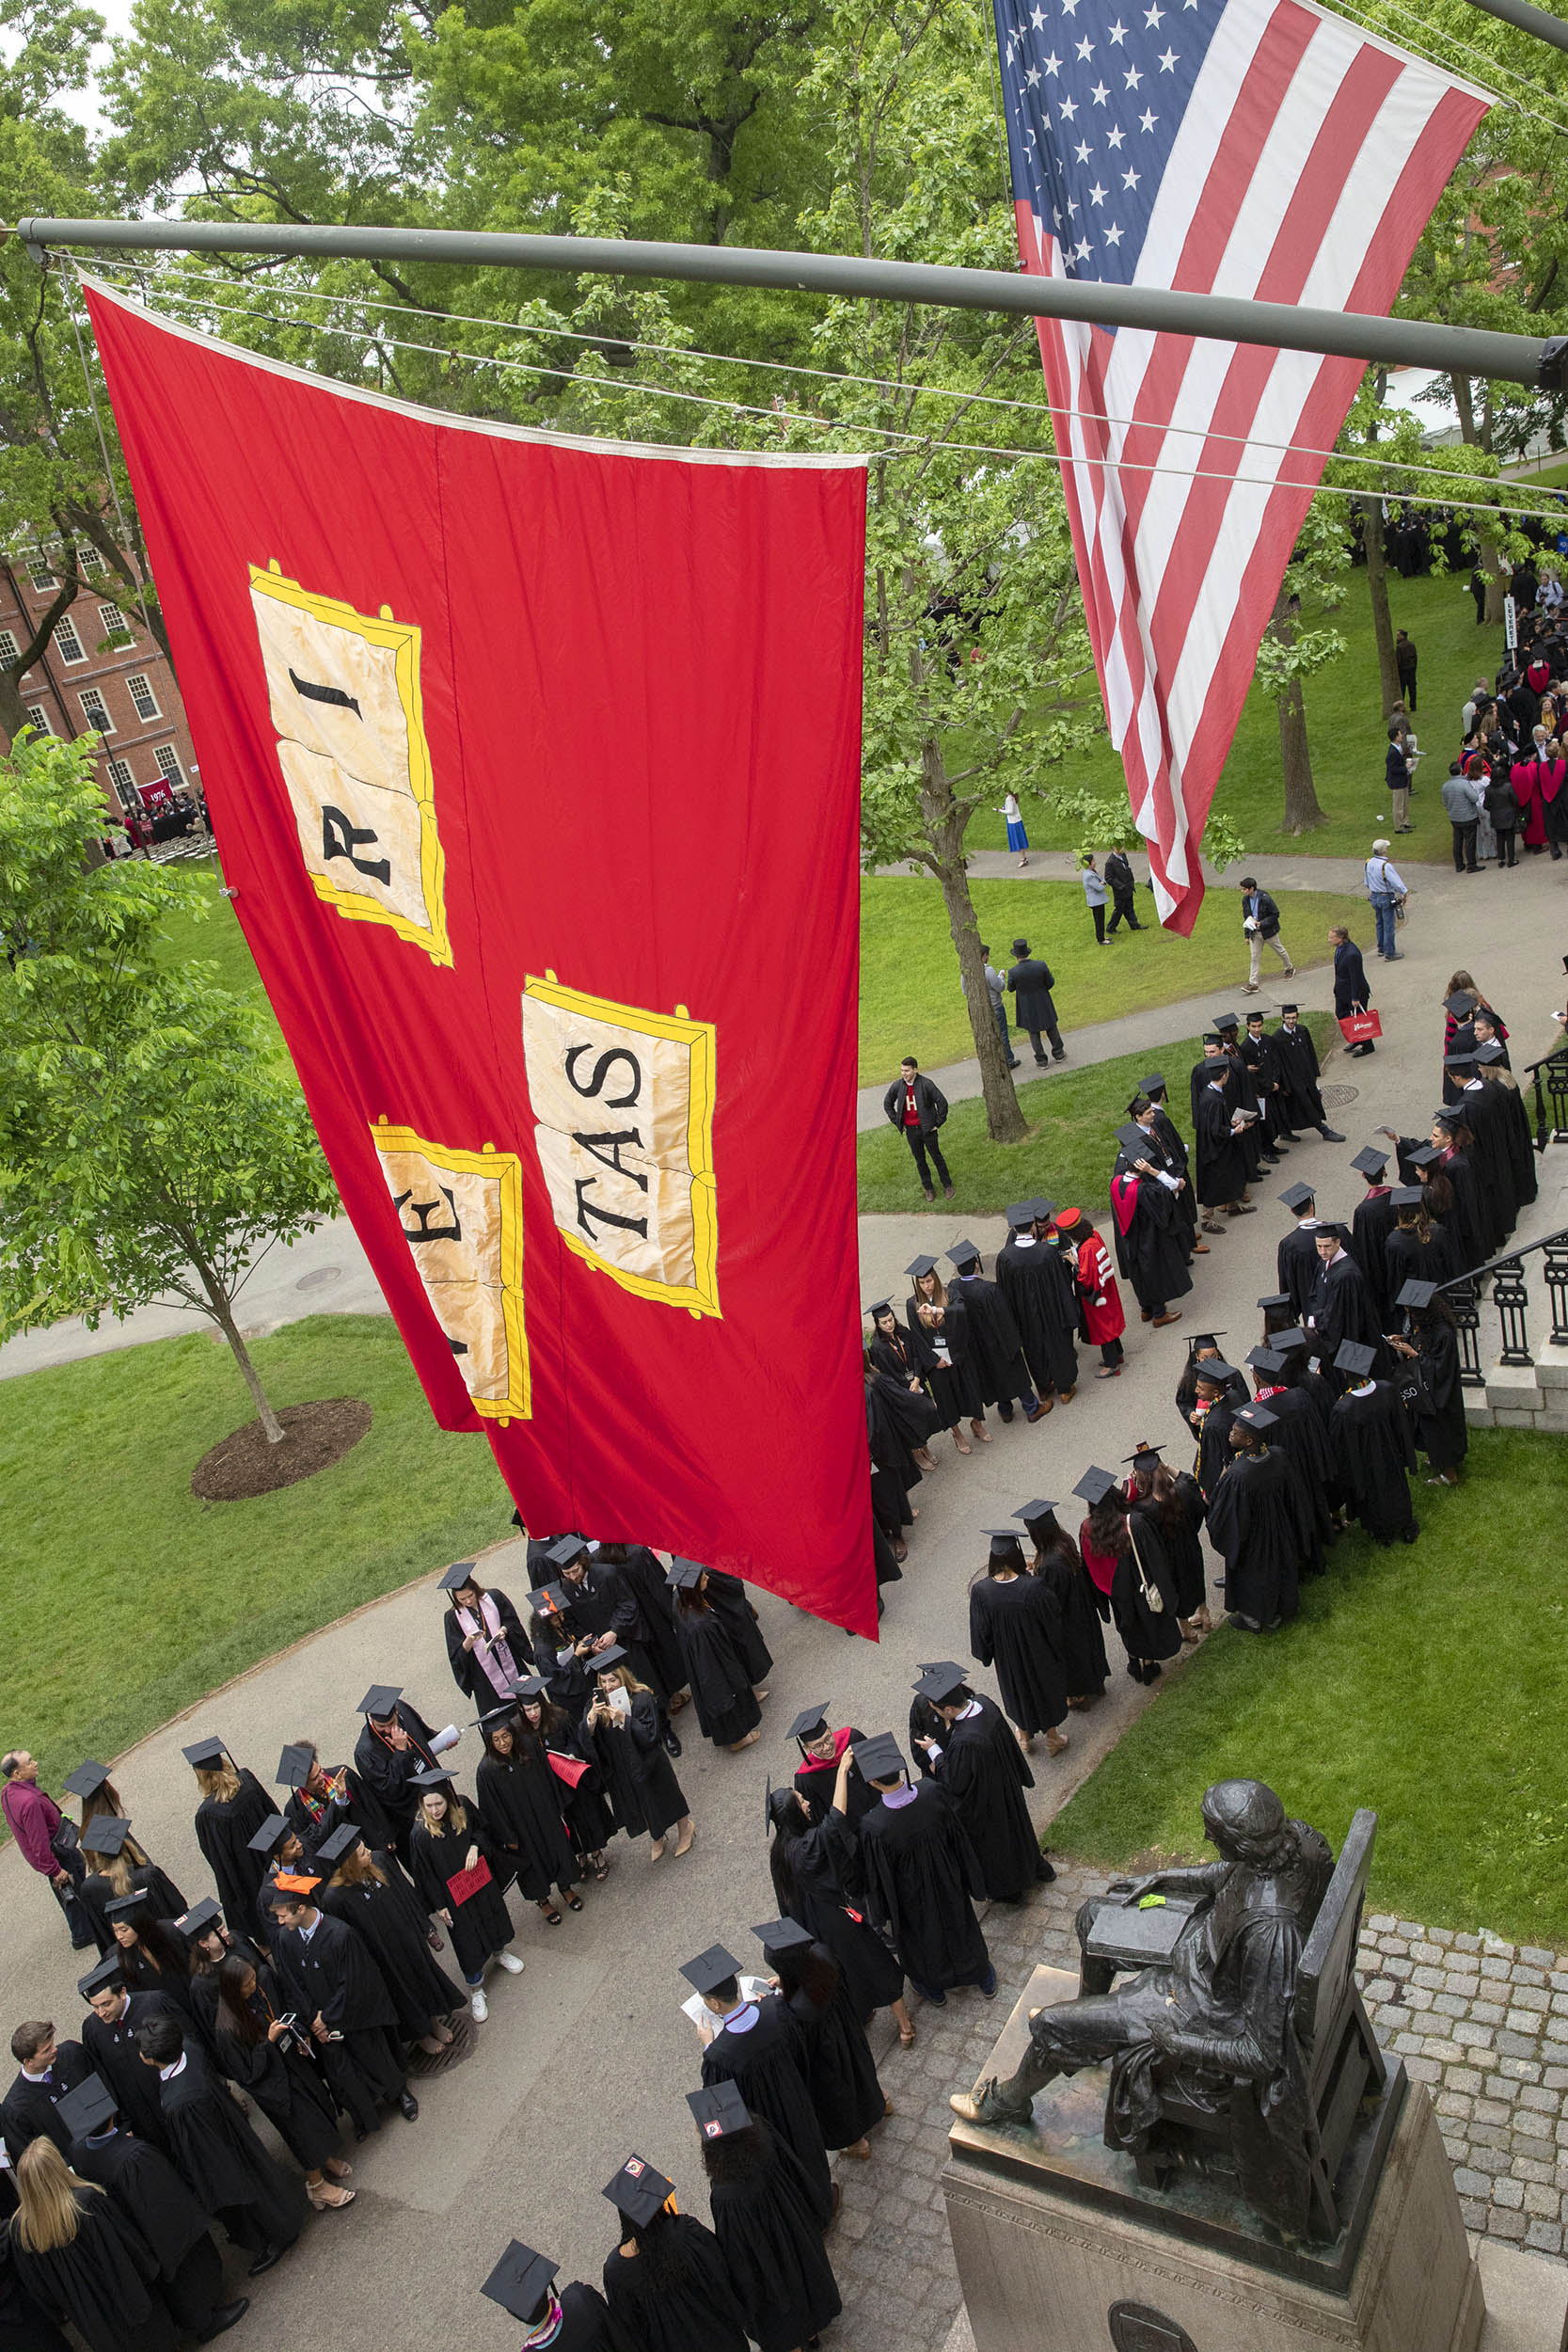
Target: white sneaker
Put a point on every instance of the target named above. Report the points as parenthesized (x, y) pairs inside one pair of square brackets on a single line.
[(478, 2008), (510, 1962)]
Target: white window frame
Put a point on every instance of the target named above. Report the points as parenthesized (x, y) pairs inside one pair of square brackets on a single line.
[(40, 572), (175, 774), (124, 782), (89, 695), (118, 627), (9, 647), (38, 717), (63, 644), (141, 686)]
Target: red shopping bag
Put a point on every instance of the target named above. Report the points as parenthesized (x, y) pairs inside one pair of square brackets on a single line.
[(469, 1882), (1357, 1028)]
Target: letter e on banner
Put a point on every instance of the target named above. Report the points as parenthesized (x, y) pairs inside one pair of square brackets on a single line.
[(625, 1101), (461, 1216), (344, 693)]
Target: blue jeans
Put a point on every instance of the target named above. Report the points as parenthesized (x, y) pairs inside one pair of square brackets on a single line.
[(1001, 1013), (1383, 907)]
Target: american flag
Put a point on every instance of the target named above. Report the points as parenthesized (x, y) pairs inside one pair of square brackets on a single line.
[(1256, 147)]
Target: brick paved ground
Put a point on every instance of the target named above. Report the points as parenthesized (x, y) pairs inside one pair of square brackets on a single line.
[(1483, 2024)]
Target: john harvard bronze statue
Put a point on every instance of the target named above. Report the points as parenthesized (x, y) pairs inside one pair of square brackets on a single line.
[(1240, 2044)]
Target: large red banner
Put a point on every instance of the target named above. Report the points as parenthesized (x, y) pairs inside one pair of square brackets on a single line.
[(534, 766)]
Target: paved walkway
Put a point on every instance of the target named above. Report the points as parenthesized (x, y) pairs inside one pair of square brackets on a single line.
[(1276, 871)]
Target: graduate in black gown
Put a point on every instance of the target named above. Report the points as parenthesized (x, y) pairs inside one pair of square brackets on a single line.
[(821, 1752), (338, 1994), (520, 1805), (1262, 1056), (939, 1335), (755, 2045), (1430, 1345), (1036, 1281), (1301, 1433), (109, 2039), (1173, 1500), (153, 1953), (371, 1895), (395, 1745), (1015, 1625), (992, 1342), (624, 1728), (1214, 1405), (1258, 1523), (1518, 1136), (81, 2258), (486, 1645), (149, 2193), (1296, 1264), (1484, 1111), (588, 1799), (894, 1354), (574, 2318), (116, 1865), (321, 1797), (209, 1942), (813, 1863), (47, 2068), (1419, 1248), (25, 2326), (834, 2054), (1373, 1221), (768, 2223), (449, 1844), (269, 2057), (232, 1808), (923, 1877), (980, 1765), (1141, 1590), (1343, 1306), (727, 1596), (1218, 1155), (1303, 1102), (666, 2283), (727, 1709), (1375, 1451), (223, 2164), (641, 1572), (1058, 1563), (1153, 1241)]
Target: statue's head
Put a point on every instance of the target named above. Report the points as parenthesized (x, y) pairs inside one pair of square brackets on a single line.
[(1245, 1819)]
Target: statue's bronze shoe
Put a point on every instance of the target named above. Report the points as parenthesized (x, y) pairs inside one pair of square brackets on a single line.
[(986, 2103)]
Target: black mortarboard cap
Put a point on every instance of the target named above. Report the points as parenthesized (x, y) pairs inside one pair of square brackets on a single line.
[(1355, 1358), (127, 1906), (784, 1935), (380, 1699), (1095, 1485), (1459, 1004), (296, 1765), (918, 1266), (1489, 1051), (1133, 1141), (810, 1722), (639, 2191), (461, 1572), (532, 1686), (939, 1666), (1417, 1294), (1265, 1359), (1038, 1509), (1458, 1061), (1145, 1459), (1407, 1196), (1446, 1116), (1043, 1209), (1215, 1371), (684, 1575), (105, 1835), (1135, 1103), (86, 1780), (878, 1306), (1021, 1214), (1211, 1037), (206, 1913), (271, 1831), (1257, 1416), (103, 1974), (342, 1841), (1153, 1083), (1225, 1021), (1289, 1008), (1298, 1195), (943, 1686), (720, 2110), (205, 1752), (880, 1758), (608, 1658), (87, 2109), (1282, 1342), (554, 1597), (432, 1776), (520, 2281), (714, 1966), (961, 1253), (1369, 1161), (566, 1549), (1203, 1339)]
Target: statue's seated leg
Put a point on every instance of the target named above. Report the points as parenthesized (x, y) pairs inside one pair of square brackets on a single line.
[(1061, 2040)]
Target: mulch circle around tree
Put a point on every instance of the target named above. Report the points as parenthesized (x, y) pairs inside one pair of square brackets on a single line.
[(246, 1464)]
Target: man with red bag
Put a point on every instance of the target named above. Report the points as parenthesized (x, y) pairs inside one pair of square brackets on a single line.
[(1351, 996), (1098, 1300)]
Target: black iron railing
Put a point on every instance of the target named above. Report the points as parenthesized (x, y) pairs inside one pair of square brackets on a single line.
[(1511, 1297), (1551, 1097)]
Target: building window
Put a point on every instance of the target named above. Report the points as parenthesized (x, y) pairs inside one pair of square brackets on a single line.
[(169, 763), (38, 717), (96, 711), (121, 777), (9, 648), (40, 575), (116, 627), (67, 643), (143, 698)]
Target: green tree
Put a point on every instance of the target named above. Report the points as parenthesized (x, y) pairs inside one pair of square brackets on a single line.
[(151, 1145)]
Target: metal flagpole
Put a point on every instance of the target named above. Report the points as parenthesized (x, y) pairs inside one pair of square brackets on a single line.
[(1355, 334), (1537, 21)]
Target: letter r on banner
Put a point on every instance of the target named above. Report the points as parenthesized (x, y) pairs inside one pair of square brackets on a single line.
[(625, 1104)]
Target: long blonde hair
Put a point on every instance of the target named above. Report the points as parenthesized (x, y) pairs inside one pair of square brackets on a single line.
[(46, 2217), (357, 1869), (456, 1818), (939, 1292), (218, 1780)]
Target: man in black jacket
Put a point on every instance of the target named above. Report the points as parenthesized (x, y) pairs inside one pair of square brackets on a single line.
[(1260, 922), (1031, 983), (917, 1106), (1121, 883)]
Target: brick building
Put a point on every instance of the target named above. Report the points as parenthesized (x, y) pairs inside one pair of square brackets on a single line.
[(101, 673)]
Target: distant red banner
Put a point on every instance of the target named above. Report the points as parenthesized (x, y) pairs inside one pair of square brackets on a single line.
[(535, 765)]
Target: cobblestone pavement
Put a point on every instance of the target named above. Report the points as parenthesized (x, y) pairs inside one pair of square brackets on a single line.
[(1483, 2024)]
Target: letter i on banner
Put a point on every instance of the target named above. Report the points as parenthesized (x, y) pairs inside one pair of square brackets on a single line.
[(623, 1099)]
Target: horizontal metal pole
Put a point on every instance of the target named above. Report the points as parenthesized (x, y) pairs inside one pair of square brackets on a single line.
[(1355, 334), (1537, 21)]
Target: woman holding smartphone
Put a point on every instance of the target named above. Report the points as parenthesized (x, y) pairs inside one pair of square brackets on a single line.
[(627, 1734)]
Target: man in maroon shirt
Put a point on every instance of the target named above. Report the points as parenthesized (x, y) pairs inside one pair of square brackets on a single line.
[(34, 1819)]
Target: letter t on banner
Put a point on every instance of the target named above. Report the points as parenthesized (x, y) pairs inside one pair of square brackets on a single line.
[(535, 766)]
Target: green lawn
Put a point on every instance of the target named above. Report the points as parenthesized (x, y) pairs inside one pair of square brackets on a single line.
[(127, 1598), (910, 1001), (1346, 728), (1069, 1154), (1425, 1682)]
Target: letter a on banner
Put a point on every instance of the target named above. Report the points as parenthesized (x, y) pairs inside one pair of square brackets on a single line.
[(534, 764)]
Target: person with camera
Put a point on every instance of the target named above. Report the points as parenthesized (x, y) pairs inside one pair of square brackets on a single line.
[(1385, 893), (262, 2047), (47, 1840)]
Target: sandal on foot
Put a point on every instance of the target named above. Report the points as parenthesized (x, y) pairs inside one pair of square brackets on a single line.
[(551, 1916), (574, 1903)]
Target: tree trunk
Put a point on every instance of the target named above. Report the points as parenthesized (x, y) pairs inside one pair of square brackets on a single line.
[(1377, 588), (223, 1315), (1302, 811), (945, 831), (1489, 557)]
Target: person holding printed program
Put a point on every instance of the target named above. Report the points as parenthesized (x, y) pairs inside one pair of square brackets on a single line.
[(1260, 922), (1385, 892)]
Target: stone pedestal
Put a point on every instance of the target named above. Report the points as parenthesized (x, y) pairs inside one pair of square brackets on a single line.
[(1060, 2249)]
